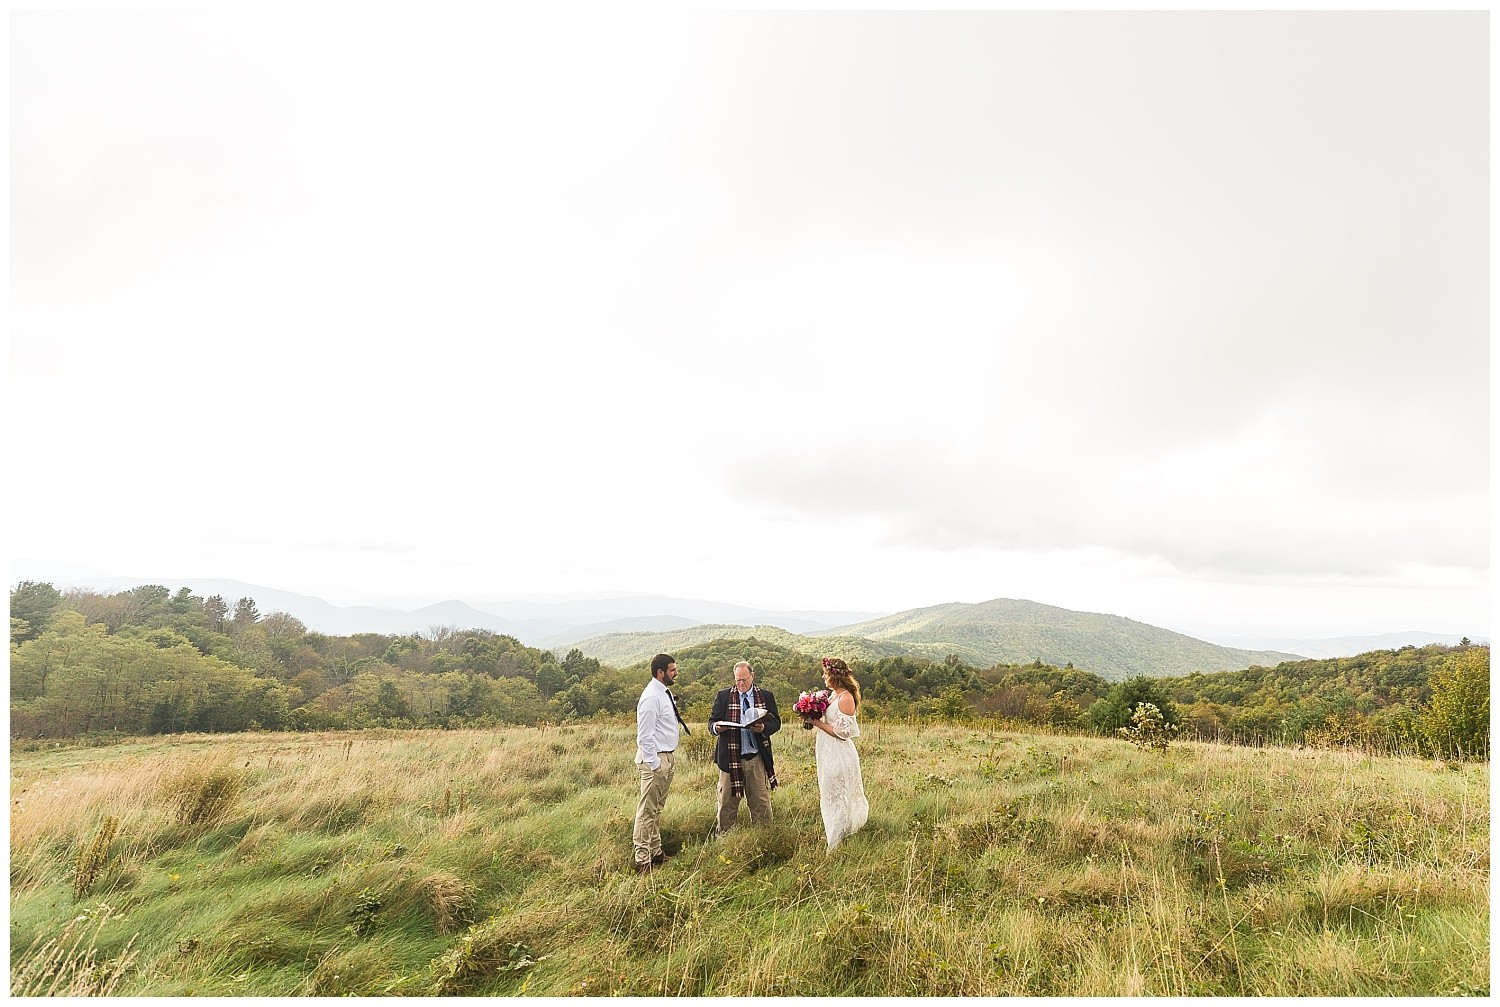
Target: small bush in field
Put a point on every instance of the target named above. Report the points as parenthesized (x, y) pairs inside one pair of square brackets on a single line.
[(488, 950), (1149, 730), (451, 902), (202, 796), (91, 858), (366, 908)]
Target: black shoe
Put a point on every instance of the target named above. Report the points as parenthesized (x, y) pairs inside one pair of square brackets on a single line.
[(657, 860), (644, 868)]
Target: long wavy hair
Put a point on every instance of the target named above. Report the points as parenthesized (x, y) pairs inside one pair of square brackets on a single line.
[(841, 677)]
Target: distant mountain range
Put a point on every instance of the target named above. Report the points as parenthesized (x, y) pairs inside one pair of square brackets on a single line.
[(1005, 630), (1344, 646), (1014, 631), (621, 649), (625, 630), (547, 624)]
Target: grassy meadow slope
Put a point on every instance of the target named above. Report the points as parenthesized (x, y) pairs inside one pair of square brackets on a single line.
[(1015, 631), (993, 863)]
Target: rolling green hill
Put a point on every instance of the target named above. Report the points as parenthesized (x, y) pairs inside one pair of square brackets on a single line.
[(1015, 631), (622, 649), (1003, 631)]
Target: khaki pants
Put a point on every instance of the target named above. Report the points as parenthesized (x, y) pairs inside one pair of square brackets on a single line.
[(757, 795), (654, 784)]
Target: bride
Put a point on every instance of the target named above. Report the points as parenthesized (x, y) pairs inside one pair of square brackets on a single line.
[(840, 789)]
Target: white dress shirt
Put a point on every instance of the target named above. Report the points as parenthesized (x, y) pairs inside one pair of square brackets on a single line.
[(655, 724)]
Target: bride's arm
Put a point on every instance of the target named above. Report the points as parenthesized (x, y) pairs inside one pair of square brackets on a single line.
[(840, 733)]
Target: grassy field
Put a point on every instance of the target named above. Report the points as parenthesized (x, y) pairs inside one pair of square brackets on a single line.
[(498, 862)]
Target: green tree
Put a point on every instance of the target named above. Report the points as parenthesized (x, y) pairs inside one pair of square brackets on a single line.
[(575, 666), (518, 701), (182, 602), (146, 605), (77, 678), (1457, 720), (217, 611), (1062, 709), (481, 654), (550, 679), (281, 626), (404, 651), (245, 613), (33, 603), (951, 705), (1115, 710), (389, 704)]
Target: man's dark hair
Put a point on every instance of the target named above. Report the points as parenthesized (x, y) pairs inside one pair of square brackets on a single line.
[(661, 662)]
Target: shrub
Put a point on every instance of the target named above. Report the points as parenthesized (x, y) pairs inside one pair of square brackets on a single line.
[(203, 795), (91, 858), (1149, 730), (366, 910), (451, 901), (487, 951)]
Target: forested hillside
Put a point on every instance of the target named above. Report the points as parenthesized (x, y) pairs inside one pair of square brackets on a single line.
[(147, 661), (1016, 631), (1002, 631), (622, 649)]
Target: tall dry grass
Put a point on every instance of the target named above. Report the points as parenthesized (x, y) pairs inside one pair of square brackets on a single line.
[(994, 863), (67, 963)]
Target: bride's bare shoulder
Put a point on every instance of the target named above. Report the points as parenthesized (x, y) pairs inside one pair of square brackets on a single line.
[(846, 703)]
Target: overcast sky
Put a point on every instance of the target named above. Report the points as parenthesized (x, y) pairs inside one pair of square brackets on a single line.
[(1181, 317)]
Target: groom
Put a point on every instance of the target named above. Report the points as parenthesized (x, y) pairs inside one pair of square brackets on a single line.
[(743, 754), (656, 720)]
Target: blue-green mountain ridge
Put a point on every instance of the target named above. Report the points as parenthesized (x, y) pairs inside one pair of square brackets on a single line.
[(1001, 631)]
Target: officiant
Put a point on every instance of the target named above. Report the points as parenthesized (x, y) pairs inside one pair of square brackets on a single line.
[(744, 718)]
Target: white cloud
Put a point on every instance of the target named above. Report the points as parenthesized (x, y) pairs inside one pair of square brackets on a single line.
[(438, 305)]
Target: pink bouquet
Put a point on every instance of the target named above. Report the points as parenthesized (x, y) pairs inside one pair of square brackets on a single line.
[(810, 706)]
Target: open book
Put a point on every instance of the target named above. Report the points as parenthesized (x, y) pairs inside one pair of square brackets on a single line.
[(750, 718)]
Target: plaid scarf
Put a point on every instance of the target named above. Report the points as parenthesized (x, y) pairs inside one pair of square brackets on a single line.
[(736, 769)]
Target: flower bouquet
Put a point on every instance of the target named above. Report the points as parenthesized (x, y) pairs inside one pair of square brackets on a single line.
[(810, 706)]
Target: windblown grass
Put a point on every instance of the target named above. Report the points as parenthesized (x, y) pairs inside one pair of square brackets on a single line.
[(499, 862)]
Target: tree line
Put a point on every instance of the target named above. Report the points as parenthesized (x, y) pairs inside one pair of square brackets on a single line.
[(149, 661)]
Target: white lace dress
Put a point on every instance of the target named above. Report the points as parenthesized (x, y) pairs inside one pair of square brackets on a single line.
[(841, 791)]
